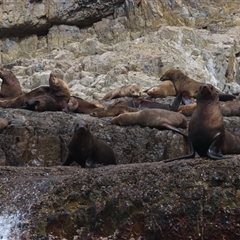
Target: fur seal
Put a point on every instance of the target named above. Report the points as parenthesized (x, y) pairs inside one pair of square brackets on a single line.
[(164, 89), (10, 85), (79, 105), (228, 108), (86, 149), (113, 110), (206, 128), (54, 97), (187, 86), (156, 118), (124, 91), (3, 124)]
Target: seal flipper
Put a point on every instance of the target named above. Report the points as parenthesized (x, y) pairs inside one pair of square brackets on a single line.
[(213, 151), (226, 97), (69, 160), (31, 104), (176, 103), (189, 142)]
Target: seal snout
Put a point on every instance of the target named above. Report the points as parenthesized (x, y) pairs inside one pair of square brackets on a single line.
[(80, 125)]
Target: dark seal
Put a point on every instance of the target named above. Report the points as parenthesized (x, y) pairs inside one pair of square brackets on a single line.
[(85, 149)]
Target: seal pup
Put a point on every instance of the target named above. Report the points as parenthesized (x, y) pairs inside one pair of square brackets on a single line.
[(164, 89), (206, 128), (111, 111), (187, 86), (10, 85), (133, 90), (86, 149)]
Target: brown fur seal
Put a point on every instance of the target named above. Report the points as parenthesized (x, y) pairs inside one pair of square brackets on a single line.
[(228, 108), (78, 105), (187, 86), (158, 118), (113, 110), (10, 85), (54, 97), (86, 149), (124, 91), (206, 128), (163, 89), (60, 90)]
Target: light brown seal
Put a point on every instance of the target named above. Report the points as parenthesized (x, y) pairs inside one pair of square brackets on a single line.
[(162, 90), (86, 149), (157, 118), (10, 85), (124, 91), (206, 128), (79, 105), (113, 110), (228, 108), (187, 86)]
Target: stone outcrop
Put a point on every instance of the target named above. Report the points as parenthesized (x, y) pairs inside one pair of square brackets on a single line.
[(193, 199)]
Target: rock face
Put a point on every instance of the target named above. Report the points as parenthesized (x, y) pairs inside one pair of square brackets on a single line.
[(96, 46)]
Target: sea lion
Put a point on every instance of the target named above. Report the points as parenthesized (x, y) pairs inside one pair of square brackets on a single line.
[(86, 149), (113, 110), (18, 102), (187, 86), (79, 105), (60, 90), (228, 108), (156, 118), (10, 85), (206, 128), (124, 91), (163, 89), (54, 97), (42, 103)]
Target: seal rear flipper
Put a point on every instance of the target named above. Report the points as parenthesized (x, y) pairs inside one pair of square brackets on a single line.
[(226, 97), (214, 151), (187, 139), (176, 102)]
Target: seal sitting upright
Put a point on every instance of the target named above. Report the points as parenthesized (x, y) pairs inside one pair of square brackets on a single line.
[(86, 149), (206, 130)]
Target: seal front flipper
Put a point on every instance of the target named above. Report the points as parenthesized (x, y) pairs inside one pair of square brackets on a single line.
[(69, 160), (226, 97), (189, 142), (213, 151), (176, 102)]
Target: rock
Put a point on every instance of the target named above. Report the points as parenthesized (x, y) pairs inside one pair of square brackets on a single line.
[(194, 198), (41, 139)]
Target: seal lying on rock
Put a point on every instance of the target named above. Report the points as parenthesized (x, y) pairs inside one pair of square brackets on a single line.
[(124, 91), (10, 85), (187, 86), (163, 89), (113, 110), (155, 118), (228, 108), (79, 105), (206, 128), (87, 150), (54, 97)]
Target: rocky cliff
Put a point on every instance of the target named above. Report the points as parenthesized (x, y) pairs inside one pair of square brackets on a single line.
[(96, 46)]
